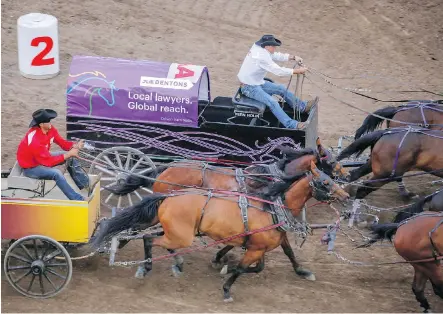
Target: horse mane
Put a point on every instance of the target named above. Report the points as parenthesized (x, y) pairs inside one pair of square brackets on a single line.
[(292, 154), (258, 169), (276, 188)]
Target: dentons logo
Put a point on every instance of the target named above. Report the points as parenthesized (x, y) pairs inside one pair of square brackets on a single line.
[(147, 81)]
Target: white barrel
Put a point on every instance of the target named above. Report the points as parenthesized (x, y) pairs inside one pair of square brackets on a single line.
[(38, 53)]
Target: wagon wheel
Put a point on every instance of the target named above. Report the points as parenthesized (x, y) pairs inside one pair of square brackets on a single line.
[(116, 164), (32, 268)]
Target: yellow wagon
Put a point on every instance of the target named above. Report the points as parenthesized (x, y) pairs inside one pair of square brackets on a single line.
[(37, 222)]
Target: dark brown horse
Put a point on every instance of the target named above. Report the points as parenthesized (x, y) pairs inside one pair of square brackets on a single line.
[(426, 114), (436, 205), (394, 152), (419, 238), (185, 174), (189, 212)]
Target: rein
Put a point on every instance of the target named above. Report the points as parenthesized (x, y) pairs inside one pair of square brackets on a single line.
[(355, 91), (362, 110)]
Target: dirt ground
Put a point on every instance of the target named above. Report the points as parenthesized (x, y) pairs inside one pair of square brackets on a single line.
[(387, 45)]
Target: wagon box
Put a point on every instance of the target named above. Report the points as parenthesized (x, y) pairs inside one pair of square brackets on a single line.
[(63, 220)]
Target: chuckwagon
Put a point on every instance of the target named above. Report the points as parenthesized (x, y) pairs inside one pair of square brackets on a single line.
[(38, 224)]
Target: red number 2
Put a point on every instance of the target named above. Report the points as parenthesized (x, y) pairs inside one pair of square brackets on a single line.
[(38, 59)]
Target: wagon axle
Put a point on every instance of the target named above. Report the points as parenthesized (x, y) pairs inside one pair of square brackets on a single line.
[(38, 267)]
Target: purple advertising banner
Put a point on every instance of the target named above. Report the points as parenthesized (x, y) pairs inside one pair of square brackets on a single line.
[(136, 90)]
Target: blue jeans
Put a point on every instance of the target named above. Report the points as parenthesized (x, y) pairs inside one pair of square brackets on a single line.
[(48, 173), (262, 93)]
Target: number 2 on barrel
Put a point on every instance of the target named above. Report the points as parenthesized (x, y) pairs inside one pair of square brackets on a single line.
[(39, 59)]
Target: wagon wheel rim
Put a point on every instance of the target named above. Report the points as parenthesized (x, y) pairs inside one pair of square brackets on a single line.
[(37, 267), (116, 164)]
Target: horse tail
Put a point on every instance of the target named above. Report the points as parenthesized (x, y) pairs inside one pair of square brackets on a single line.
[(372, 122), (142, 213), (415, 208), (133, 182), (381, 232), (358, 146)]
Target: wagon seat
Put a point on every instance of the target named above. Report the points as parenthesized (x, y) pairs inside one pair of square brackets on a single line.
[(245, 106), (44, 188)]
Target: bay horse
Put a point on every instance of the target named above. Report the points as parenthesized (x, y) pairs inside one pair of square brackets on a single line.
[(436, 205), (189, 212), (419, 240), (185, 174), (426, 114), (395, 151)]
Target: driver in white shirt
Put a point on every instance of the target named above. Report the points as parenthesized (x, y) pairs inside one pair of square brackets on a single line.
[(260, 60)]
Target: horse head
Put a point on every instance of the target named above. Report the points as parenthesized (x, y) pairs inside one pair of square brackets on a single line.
[(299, 187), (339, 172), (323, 159)]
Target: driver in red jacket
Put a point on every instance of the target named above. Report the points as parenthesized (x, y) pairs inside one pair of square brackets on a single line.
[(33, 155)]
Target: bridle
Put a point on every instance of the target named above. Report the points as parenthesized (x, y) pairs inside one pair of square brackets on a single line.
[(320, 190)]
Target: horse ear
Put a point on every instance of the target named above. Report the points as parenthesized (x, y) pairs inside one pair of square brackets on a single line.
[(314, 169)]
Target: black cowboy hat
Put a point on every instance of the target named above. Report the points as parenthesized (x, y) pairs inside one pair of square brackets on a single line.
[(42, 116), (268, 40)]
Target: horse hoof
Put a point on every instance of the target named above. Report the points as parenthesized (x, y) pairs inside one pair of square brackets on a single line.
[(216, 265), (228, 300), (176, 271), (224, 270), (141, 272), (306, 274)]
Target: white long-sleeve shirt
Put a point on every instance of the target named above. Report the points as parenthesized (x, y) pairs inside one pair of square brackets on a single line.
[(258, 62)]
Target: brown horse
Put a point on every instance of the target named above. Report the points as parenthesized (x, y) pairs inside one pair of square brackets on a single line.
[(190, 211), (436, 205), (185, 174), (418, 238), (424, 114), (394, 152)]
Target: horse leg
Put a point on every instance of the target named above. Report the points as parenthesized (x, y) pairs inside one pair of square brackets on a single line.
[(304, 273), (164, 241), (418, 287), (216, 262), (144, 269), (249, 258), (177, 268), (404, 192), (435, 274), (259, 266), (371, 186), (361, 171)]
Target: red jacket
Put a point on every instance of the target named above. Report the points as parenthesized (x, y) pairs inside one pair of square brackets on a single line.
[(34, 148)]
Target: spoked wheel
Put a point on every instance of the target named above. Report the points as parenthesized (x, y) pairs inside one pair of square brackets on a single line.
[(38, 266), (116, 164)]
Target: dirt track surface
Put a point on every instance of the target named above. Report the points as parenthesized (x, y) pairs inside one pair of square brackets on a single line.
[(398, 41)]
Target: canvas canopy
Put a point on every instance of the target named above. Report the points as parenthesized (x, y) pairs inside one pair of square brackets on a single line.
[(136, 90)]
